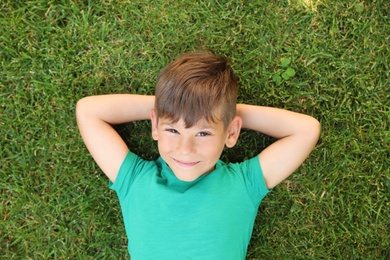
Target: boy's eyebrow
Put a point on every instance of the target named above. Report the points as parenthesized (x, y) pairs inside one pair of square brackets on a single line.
[(205, 126), (167, 124), (199, 125)]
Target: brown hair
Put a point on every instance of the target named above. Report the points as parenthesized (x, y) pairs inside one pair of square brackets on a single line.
[(198, 85)]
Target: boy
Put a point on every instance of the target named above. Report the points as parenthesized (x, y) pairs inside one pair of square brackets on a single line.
[(188, 204)]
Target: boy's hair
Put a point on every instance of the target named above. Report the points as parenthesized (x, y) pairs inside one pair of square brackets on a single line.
[(198, 85)]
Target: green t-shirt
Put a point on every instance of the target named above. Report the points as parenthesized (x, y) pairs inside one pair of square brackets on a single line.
[(211, 217)]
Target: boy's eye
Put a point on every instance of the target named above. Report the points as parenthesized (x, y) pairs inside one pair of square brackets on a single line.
[(203, 134), (173, 131)]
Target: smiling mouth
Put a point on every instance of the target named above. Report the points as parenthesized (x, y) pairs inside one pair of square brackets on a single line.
[(185, 164)]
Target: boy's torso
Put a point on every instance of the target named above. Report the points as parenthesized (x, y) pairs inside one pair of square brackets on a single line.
[(209, 218)]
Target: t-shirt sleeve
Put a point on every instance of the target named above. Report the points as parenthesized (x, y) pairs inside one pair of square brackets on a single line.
[(130, 168), (253, 179)]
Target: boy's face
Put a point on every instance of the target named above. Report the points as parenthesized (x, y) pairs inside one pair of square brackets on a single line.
[(192, 152)]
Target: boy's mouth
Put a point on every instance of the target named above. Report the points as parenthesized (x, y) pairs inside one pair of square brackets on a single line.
[(185, 164)]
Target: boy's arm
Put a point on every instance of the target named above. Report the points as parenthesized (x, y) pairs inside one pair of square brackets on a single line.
[(96, 114), (297, 135)]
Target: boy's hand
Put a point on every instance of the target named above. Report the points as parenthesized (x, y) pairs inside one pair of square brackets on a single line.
[(297, 135), (95, 115)]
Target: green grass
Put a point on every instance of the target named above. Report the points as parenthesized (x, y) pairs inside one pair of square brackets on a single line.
[(55, 203)]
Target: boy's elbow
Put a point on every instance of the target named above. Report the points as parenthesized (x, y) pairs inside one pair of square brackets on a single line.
[(313, 129), (81, 107)]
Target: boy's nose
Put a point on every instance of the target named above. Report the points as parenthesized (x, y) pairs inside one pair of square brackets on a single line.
[(186, 146)]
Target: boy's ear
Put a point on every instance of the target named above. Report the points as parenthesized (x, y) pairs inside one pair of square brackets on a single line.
[(154, 120), (233, 132)]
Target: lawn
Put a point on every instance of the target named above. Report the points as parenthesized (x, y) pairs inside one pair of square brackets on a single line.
[(329, 59)]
